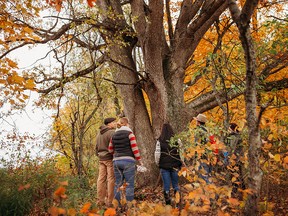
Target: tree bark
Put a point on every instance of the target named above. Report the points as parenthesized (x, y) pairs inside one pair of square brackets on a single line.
[(164, 67), (242, 19)]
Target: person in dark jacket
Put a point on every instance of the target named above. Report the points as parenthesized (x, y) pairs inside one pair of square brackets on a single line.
[(125, 152), (169, 163), (234, 154), (106, 179), (201, 137)]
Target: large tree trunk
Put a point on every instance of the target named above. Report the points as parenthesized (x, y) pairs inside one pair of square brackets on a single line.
[(242, 19), (165, 66), (135, 108)]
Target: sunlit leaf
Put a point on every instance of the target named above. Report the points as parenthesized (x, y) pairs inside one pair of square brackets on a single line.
[(61, 211), (71, 212), (29, 84), (277, 157), (233, 201), (53, 211), (64, 183), (60, 191), (110, 212), (85, 208)]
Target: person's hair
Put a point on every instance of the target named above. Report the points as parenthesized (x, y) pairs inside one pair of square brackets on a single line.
[(233, 126), (166, 133), (122, 122), (201, 123)]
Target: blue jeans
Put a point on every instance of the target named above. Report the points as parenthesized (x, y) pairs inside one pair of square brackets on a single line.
[(205, 172), (124, 170), (168, 177)]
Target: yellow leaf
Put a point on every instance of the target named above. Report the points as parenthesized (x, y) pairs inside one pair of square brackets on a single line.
[(28, 30), (17, 79), (115, 203), (177, 197), (29, 84), (277, 157), (11, 63)]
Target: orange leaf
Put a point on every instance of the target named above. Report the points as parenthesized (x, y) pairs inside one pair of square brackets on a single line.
[(233, 201), (53, 211), (64, 183), (58, 5), (285, 160), (20, 188), (110, 212), (60, 191), (85, 208), (61, 211), (71, 212)]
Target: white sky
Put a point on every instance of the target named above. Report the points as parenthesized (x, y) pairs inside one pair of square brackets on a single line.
[(32, 120)]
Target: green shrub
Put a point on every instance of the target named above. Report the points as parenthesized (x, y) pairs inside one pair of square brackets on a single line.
[(25, 187)]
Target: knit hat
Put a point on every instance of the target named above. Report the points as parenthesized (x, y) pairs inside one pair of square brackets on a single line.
[(201, 118), (108, 120)]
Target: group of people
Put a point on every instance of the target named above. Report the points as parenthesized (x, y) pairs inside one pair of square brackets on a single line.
[(118, 154)]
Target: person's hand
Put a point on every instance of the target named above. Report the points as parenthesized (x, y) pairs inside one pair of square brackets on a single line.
[(141, 168)]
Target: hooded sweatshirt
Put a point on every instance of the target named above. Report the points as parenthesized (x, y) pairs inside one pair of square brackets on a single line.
[(102, 143)]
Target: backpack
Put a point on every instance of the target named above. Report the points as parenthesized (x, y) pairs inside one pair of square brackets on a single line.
[(157, 152)]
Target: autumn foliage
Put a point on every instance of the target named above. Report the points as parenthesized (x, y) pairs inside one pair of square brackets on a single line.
[(81, 36)]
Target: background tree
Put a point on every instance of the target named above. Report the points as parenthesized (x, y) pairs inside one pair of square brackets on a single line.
[(242, 19), (76, 124)]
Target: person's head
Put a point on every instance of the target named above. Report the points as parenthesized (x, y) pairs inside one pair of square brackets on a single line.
[(201, 119), (166, 133), (123, 122), (110, 122)]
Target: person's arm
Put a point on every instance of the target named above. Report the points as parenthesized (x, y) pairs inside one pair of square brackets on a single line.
[(134, 146), (111, 147)]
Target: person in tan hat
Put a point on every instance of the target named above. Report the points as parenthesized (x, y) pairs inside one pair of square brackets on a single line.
[(201, 137), (201, 132), (106, 178)]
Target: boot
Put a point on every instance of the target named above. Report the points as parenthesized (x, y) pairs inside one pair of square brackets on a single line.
[(167, 197)]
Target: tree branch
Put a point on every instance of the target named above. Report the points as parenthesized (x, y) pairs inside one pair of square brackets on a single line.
[(73, 76)]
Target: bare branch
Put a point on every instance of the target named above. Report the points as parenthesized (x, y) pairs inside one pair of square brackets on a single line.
[(73, 76)]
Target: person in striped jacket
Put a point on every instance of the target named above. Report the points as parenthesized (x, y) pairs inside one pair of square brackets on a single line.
[(125, 152)]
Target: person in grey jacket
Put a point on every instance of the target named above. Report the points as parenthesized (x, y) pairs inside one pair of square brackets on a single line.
[(106, 178)]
